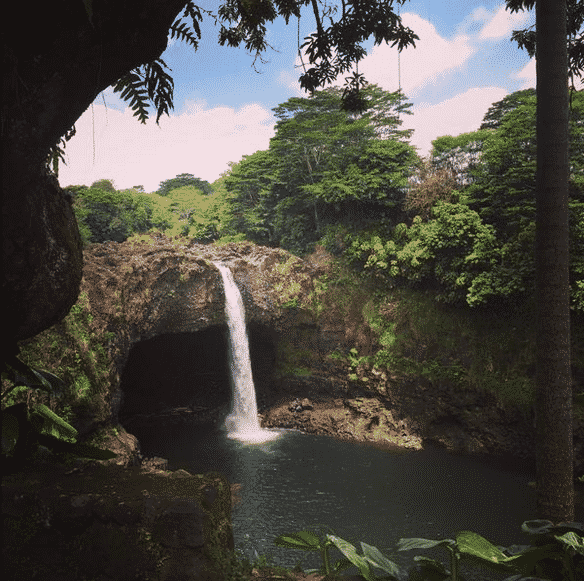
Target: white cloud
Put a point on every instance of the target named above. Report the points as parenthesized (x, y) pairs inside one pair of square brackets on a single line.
[(114, 145), (433, 56), (502, 23), (460, 114), (290, 80), (526, 75)]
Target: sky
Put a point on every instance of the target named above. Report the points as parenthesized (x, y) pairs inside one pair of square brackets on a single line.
[(463, 62)]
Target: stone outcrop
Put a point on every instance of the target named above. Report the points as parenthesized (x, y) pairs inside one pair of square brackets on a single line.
[(47, 84), (163, 305), (115, 523), (42, 258)]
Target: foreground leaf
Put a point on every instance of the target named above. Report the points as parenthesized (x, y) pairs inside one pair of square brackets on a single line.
[(49, 422), (379, 560), (416, 543), (572, 540), (431, 569), (351, 553), (476, 546), (19, 372), (303, 540)]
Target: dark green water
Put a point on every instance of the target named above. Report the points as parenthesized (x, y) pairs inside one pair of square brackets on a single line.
[(363, 493)]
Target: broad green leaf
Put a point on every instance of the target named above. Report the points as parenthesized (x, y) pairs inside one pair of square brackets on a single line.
[(304, 540), (52, 423), (31, 377), (416, 543), (473, 544), (537, 527), (342, 565), (379, 560), (526, 561), (433, 569), (350, 553), (573, 540)]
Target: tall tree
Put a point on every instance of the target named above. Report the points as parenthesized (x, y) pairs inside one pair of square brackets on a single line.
[(555, 453), (182, 180), (559, 55), (337, 167)]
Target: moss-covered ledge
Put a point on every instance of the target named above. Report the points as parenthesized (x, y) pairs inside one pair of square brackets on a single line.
[(111, 522)]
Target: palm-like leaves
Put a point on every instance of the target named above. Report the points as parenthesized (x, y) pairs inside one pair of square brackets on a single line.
[(147, 84), (151, 83)]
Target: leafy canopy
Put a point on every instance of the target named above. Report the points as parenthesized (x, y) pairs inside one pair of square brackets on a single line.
[(325, 166), (335, 47)]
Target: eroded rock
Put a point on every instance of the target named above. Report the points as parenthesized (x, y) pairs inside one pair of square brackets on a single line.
[(117, 523), (42, 257)]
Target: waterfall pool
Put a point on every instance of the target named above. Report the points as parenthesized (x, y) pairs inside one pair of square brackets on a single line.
[(290, 481), (362, 492)]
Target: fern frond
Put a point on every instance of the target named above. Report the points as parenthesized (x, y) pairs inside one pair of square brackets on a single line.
[(180, 30), (57, 152), (194, 12), (147, 84), (160, 87), (132, 90)]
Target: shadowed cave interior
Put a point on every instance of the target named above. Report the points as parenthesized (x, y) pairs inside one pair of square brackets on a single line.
[(180, 370)]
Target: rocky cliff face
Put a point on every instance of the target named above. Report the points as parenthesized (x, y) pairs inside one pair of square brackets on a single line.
[(41, 254), (163, 305)]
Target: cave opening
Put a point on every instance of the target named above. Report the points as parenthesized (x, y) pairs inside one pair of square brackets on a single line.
[(189, 371)]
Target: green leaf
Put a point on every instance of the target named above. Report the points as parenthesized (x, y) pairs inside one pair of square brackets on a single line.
[(572, 540), (31, 377), (303, 540), (432, 568), (350, 553), (537, 527), (417, 543), (342, 565), (474, 545), (379, 560), (47, 421), (527, 560)]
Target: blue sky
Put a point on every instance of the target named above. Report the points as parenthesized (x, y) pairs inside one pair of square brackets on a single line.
[(463, 62)]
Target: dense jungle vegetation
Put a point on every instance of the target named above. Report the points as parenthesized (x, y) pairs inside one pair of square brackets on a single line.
[(430, 254), (459, 223), (428, 261)]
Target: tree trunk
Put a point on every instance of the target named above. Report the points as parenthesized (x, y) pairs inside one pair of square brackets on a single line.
[(57, 59), (555, 456)]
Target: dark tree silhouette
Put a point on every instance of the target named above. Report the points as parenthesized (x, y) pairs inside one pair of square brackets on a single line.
[(555, 455)]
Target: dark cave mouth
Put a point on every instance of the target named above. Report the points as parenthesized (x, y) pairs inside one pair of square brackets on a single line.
[(190, 372)]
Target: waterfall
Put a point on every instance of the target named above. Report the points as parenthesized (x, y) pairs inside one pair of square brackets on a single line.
[(242, 423)]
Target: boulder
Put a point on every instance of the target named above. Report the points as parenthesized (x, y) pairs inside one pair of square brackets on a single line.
[(42, 259), (110, 522)]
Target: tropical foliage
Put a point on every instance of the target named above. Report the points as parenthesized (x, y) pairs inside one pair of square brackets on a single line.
[(556, 553), (325, 167), (470, 233)]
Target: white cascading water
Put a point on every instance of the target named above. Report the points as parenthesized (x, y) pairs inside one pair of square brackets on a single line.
[(242, 423)]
